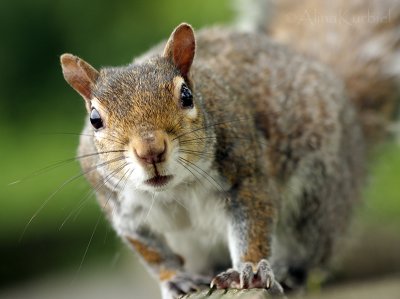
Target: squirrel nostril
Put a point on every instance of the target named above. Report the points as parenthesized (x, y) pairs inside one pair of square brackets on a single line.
[(152, 155)]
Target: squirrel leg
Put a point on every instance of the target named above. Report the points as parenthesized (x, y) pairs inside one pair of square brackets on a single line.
[(165, 264), (250, 233)]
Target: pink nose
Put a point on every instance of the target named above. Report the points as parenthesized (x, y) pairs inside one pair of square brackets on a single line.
[(152, 154), (151, 147)]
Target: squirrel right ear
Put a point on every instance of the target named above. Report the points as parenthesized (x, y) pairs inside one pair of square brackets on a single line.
[(180, 48), (79, 74)]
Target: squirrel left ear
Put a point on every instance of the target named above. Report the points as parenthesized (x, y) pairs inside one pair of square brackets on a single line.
[(79, 74), (180, 48)]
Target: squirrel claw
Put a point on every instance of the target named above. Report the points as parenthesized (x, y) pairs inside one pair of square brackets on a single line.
[(183, 284), (226, 280), (247, 278)]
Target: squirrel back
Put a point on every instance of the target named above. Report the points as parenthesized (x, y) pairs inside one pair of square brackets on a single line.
[(359, 40)]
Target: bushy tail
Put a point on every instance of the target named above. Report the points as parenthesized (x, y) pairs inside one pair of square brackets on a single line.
[(359, 39)]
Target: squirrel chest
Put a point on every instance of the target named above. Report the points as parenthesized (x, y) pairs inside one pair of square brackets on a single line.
[(192, 219)]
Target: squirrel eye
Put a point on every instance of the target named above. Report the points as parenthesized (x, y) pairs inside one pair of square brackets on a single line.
[(186, 97), (95, 119)]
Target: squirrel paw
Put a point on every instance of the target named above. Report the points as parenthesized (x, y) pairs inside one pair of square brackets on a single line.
[(249, 277), (184, 283)]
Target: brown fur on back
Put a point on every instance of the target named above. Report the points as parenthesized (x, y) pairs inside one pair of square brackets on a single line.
[(359, 39)]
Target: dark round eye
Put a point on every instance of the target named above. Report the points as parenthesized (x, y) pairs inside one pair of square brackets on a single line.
[(186, 97), (95, 119)]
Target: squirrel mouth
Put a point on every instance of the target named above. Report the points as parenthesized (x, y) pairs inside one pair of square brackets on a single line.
[(159, 180)]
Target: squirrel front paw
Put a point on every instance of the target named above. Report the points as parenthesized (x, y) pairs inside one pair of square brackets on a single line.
[(182, 284), (249, 277)]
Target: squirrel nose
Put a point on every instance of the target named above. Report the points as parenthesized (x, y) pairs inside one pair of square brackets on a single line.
[(151, 148), (152, 155)]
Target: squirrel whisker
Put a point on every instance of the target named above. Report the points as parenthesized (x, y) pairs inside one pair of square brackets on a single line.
[(202, 154), (205, 174), (42, 206), (61, 163), (100, 216), (209, 126), (190, 141), (187, 167), (91, 192), (114, 139), (176, 125)]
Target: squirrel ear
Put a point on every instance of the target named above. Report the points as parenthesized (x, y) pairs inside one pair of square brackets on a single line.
[(181, 47), (79, 74)]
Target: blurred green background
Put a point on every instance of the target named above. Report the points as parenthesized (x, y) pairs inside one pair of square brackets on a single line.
[(37, 108)]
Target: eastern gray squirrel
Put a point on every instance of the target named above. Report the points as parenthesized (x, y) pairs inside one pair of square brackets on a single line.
[(226, 158)]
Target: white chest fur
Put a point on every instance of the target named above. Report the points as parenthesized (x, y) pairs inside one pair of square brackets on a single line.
[(192, 218)]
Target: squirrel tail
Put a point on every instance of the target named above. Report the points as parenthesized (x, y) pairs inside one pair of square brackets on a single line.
[(358, 39)]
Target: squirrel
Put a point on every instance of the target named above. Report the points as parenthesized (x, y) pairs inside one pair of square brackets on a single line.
[(226, 158)]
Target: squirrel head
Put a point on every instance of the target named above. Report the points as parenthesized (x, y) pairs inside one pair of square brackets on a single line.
[(146, 113)]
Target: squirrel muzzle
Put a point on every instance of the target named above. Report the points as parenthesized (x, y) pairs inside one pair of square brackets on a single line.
[(150, 147)]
